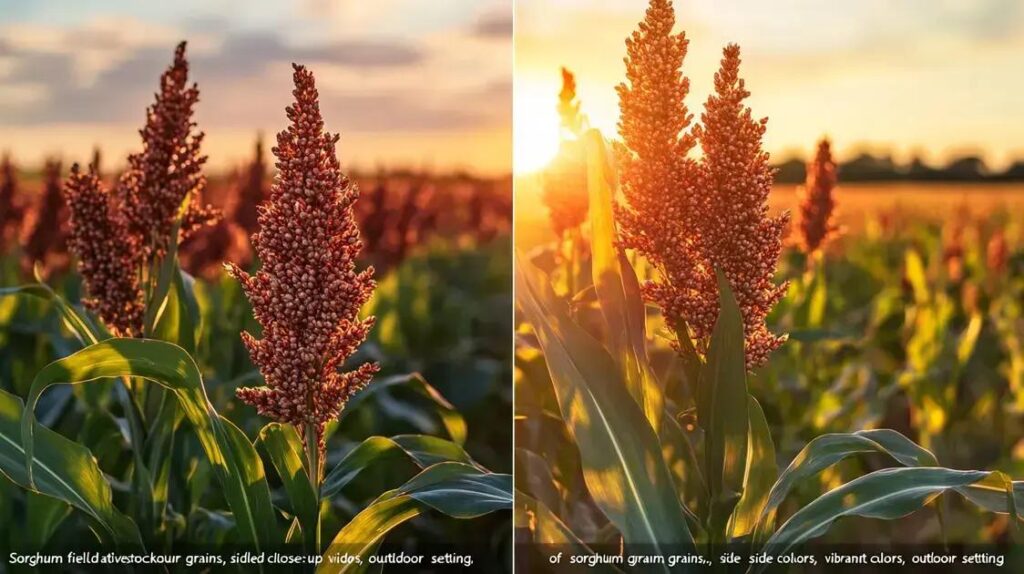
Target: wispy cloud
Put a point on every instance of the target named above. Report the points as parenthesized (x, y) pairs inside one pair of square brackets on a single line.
[(385, 67)]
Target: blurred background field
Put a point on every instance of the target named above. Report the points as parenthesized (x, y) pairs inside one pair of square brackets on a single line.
[(861, 205)]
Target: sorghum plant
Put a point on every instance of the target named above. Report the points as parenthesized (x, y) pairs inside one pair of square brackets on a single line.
[(168, 170), (565, 180), (307, 293), (670, 482), (10, 208), (569, 107), (690, 218), (817, 203), (44, 235), (997, 252), (107, 254)]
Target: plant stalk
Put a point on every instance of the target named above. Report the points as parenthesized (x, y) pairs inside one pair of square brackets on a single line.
[(313, 461)]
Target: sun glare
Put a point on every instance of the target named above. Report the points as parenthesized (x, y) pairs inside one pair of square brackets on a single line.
[(535, 126)]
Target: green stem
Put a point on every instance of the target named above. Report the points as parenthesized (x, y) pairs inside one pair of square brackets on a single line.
[(312, 444)]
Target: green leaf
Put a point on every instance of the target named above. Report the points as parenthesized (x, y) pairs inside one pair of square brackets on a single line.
[(451, 418), (45, 514), (620, 453), (533, 477), (85, 330), (64, 470), (232, 455), (421, 449), (681, 458), (618, 291), (827, 450), (455, 489), (888, 494), (549, 530), (722, 410), (760, 474), (283, 447)]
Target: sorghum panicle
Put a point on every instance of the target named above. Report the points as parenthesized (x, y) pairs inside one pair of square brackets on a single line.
[(568, 106), (656, 173), (738, 237), (997, 252), (44, 237), (107, 254), (816, 200), (689, 217), (169, 168), (307, 294), (10, 209), (564, 184)]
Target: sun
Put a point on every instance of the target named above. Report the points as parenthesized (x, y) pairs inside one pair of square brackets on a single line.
[(535, 126)]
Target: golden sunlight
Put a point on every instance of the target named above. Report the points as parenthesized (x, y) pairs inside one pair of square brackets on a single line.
[(535, 125)]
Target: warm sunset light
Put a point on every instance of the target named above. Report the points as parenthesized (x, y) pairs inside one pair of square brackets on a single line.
[(535, 124)]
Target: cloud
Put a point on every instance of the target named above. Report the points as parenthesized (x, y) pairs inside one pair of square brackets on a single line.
[(497, 24), (131, 75)]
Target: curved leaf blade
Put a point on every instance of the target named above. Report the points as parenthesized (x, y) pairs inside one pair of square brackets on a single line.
[(888, 494), (456, 489), (622, 462), (423, 450), (760, 474), (230, 453), (283, 447), (722, 410), (827, 450), (616, 285), (65, 470)]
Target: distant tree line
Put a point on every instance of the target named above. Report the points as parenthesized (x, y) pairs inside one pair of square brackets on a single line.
[(868, 167)]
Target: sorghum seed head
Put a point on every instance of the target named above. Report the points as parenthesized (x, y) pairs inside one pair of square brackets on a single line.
[(307, 293), (107, 254), (168, 170), (817, 202)]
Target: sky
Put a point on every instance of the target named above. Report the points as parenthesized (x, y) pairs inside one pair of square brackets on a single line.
[(928, 78), (407, 83)]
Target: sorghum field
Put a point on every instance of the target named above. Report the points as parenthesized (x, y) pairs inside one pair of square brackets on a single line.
[(282, 358), (706, 360)]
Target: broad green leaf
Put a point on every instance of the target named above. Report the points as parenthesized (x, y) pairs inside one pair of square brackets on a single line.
[(760, 474), (827, 450), (283, 447), (451, 419), (232, 455), (533, 477), (888, 494), (64, 470), (683, 464), (547, 529), (85, 330), (722, 410), (76, 321), (618, 291), (620, 453), (45, 514), (421, 449), (990, 494), (455, 489)]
